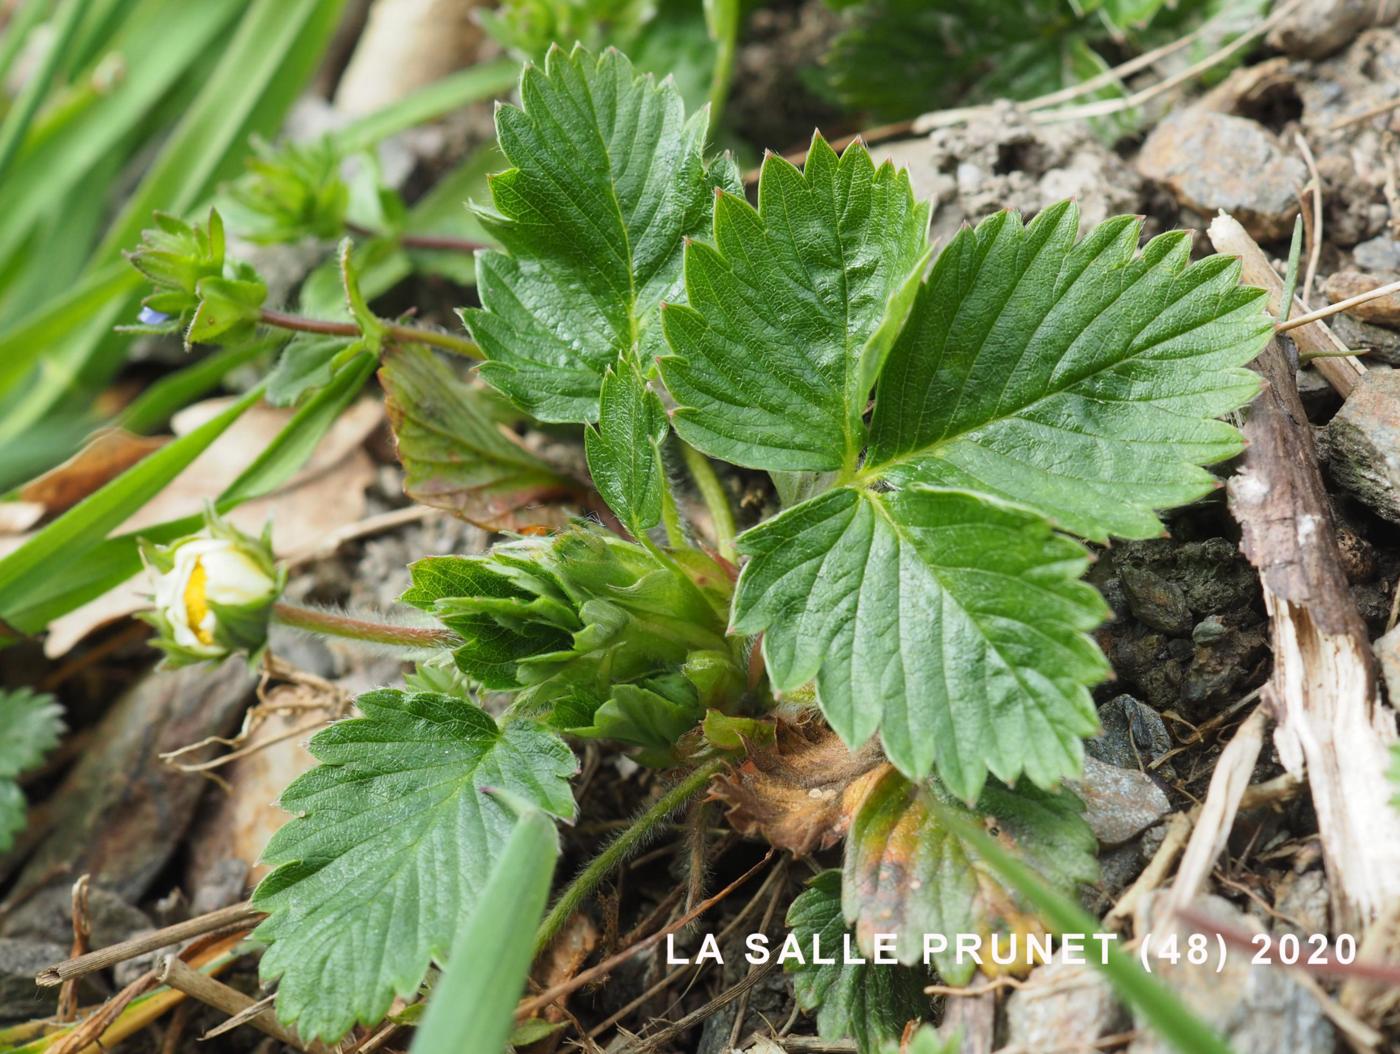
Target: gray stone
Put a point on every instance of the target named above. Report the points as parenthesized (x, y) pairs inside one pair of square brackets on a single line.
[(1119, 803), (1376, 343), (1156, 601), (1381, 253), (1062, 1003), (1133, 734), (1361, 444), (1318, 28), (20, 959), (1256, 1010), (1387, 650), (1213, 161)]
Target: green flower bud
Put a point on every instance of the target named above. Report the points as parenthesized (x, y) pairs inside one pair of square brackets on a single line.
[(198, 294), (214, 593), (290, 193), (595, 632)]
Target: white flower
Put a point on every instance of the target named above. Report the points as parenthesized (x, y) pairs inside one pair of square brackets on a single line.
[(208, 571)]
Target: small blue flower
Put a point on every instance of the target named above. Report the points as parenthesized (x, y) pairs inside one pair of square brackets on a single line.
[(151, 317)]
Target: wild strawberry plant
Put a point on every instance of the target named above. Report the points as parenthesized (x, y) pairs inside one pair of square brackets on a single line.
[(942, 430)]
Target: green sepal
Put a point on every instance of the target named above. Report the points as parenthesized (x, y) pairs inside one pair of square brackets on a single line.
[(229, 308)]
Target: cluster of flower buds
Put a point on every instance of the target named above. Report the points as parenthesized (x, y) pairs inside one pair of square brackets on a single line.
[(198, 293), (214, 593), (290, 193)]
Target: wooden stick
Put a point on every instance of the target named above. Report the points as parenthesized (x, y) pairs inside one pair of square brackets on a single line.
[(236, 915), (1340, 306), (1217, 814), (1314, 340), (179, 975), (1323, 692)]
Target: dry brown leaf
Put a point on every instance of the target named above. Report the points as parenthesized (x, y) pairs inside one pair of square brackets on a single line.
[(801, 793), (107, 455), (325, 495), (244, 814)]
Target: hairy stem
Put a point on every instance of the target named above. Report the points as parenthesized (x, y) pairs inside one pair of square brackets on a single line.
[(670, 519), (421, 241), (334, 625), (716, 500), (400, 334), (620, 849)]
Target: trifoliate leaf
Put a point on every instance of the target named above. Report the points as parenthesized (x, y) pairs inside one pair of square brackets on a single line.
[(392, 842), (868, 1003), (1078, 379), (952, 622), (793, 310), (906, 874), (624, 455), (30, 725), (608, 182), (454, 453)]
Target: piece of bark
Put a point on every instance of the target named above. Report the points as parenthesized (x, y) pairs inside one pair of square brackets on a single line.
[(120, 813), (1323, 690), (1315, 341)]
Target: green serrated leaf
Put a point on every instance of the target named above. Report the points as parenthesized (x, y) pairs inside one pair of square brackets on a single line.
[(30, 725), (624, 449), (455, 454), (392, 843), (905, 873), (477, 993), (953, 623), (871, 1003), (608, 182), (793, 310), (1078, 378)]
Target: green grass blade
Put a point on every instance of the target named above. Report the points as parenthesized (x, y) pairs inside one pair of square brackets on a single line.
[(472, 1007), (428, 103), (1140, 990), (159, 44), (29, 568), (88, 574), (23, 18), (24, 344), (271, 55), (36, 88), (158, 403), (262, 70)]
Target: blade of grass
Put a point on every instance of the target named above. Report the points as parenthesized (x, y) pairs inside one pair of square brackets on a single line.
[(16, 123), (30, 566), (261, 71), (23, 18), (472, 1006), (88, 574), (159, 44), (158, 403), (428, 103), (1140, 990)]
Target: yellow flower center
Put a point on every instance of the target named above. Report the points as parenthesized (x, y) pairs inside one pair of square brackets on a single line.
[(197, 604)]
